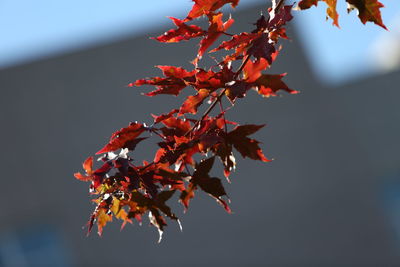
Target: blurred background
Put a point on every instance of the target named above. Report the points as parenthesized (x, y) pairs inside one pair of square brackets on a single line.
[(331, 197)]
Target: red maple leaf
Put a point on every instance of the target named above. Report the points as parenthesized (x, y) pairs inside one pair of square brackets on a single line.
[(162, 117), (216, 28), (123, 137), (183, 32), (278, 18), (237, 89), (175, 81), (242, 40), (204, 7), (252, 70), (368, 10), (268, 84)]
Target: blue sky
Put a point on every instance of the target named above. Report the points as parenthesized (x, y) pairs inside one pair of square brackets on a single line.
[(32, 30)]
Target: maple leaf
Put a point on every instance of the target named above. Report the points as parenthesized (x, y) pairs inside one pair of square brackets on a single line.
[(278, 18), (269, 84), (204, 167), (166, 86), (243, 39), (115, 207), (162, 117), (245, 130), (180, 127), (176, 72), (98, 175), (208, 140), (331, 11), (119, 212), (183, 32), (252, 70), (102, 219), (247, 147), (216, 28), (171, 178), (368, 10), (274, 35), (260, 43), (212, 80), (180, 153), (262, 47), (203, 7), (193, 102), (237, 89), (162, 197), (173, 84), (189, 150), (261, 24), (123, 138), (210, 185), (88, 167), (139, 204)]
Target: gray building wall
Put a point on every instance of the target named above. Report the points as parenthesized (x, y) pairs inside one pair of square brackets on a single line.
[(319, 203)]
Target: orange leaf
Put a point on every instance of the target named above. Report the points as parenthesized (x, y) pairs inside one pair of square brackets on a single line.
[(330, 11), (252, 70), (102, 220), (88, 165), (193, 102), (81, 177)]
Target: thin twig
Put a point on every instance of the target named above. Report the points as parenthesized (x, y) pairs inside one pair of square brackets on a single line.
[(157, 133)]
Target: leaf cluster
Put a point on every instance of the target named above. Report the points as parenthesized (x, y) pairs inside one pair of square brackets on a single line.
[(189, 142)]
